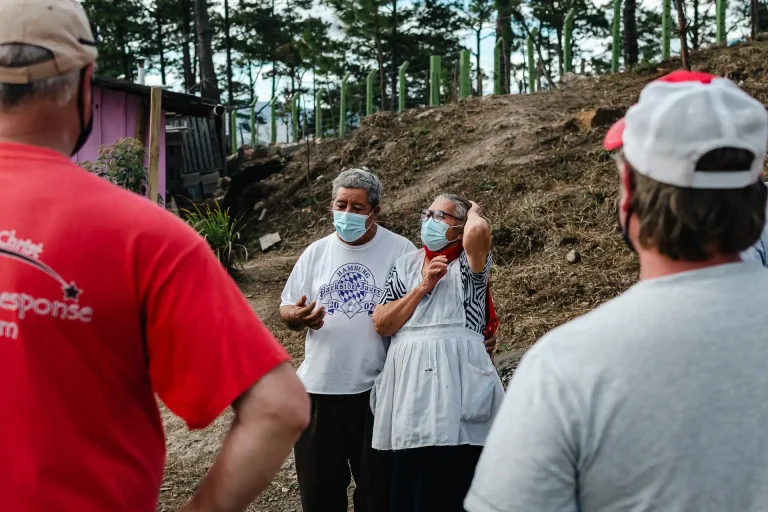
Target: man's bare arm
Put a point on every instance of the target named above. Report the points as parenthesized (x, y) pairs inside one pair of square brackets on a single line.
[(269, 418)]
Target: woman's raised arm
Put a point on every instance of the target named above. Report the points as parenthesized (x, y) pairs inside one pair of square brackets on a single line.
[(477, 239)]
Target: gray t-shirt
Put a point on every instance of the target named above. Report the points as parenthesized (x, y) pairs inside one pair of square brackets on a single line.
[(655, 401)]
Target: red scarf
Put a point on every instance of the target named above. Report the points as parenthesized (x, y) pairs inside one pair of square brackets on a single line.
[(491, 319)]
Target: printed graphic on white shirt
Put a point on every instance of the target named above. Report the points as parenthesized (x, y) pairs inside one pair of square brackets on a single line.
[(352, 290)]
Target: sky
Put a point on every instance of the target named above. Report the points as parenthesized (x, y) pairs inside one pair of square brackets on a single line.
[(587, 47)]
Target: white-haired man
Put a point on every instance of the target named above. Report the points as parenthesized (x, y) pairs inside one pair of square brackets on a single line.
[(332, 292), (107, 300), (656, 399)]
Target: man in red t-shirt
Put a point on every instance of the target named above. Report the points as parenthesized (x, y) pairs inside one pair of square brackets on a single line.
[(105, 300)]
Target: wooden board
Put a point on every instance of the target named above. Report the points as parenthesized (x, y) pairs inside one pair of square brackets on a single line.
[(155, 125)]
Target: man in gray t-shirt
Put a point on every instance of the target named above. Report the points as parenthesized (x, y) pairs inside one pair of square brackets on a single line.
[(658, 399)]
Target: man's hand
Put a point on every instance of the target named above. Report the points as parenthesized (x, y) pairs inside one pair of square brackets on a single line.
[(430, 276), (307, 316), (476, 208)]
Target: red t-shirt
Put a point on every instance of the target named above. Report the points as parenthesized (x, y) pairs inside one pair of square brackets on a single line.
[(105, 300)]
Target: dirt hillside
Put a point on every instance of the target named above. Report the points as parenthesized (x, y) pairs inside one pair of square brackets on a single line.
[(533, 161)]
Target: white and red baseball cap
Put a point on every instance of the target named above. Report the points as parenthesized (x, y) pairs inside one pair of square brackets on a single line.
[(681, 117)]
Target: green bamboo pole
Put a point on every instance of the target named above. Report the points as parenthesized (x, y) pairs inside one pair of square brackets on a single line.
[(254, 133), (319, 114), (295, 117), (568, 57), (233, 129), (465, 88), (273, 121), (722, 6), (531, 61), (497, 54), (401, 84), (343, 103), (615, 47), (369, 93), (435, 78), (666, 28)]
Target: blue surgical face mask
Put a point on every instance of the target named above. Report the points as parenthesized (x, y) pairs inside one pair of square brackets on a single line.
[(350, 226), (433, 234)]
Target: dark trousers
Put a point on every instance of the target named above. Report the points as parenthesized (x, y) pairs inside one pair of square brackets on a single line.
[(432, 479), (337, 440)]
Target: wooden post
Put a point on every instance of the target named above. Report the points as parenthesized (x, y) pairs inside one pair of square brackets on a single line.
[(497, 53), (155, 125), (436, 77), (369, 93), (273, 121), (568, 57), (343, 107), (531, 62), (401, 85), (254, 127), (666, 29), (465, 87), (615, 46)]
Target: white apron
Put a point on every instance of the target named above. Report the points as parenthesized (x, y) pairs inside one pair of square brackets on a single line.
[(439, 386)]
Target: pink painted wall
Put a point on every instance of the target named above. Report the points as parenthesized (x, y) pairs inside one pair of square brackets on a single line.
[(114, 117)]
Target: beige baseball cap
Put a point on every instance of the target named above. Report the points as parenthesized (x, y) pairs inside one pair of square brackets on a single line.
[(59, 26)]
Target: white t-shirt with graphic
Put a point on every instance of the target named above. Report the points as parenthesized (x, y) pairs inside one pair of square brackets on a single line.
[(346, 354)]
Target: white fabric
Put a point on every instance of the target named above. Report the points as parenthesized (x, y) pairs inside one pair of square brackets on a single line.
[(439, 386), (674, 124), (346, 354)]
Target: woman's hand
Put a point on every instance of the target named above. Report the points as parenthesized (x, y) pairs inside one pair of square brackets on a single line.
[(476, 208), (433, 273)]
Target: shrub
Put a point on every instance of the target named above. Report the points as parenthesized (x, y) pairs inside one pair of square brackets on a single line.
[(122, 163), (221, 233)]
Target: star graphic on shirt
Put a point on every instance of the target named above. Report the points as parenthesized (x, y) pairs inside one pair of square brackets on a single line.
[(71, 292)]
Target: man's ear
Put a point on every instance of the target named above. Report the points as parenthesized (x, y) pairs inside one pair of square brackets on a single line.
[(377, 210)]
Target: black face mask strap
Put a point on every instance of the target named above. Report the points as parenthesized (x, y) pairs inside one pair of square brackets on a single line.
[(625, 231), (85, 128)]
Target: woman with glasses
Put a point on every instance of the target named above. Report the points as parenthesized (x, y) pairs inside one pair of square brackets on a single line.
[(438, 393)]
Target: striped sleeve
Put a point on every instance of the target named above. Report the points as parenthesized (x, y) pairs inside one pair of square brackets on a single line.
[(475, 286), (394, 288)]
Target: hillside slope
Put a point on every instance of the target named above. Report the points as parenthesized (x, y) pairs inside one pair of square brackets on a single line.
[(536, 164)]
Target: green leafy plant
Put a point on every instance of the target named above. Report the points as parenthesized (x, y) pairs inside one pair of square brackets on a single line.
[(122, 163), (221, 233)]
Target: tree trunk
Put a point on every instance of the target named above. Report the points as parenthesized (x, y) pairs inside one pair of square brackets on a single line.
[(695, 27), (504, 32), (560, 52), (683, 25), (209, 87), (395, 71), (479, 68), (631, 51), (755, 19), (228, 45), (380, 55), (189, 73), (160, 42)]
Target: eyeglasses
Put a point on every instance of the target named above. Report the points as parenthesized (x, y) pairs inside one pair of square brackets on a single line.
[(437, 215)]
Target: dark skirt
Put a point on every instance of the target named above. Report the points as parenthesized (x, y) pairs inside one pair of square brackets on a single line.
[(432, 479)]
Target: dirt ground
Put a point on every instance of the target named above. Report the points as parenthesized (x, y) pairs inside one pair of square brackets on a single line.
[(536, 165)]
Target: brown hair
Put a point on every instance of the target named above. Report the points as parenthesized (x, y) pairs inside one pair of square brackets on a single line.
[(695, 224)]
